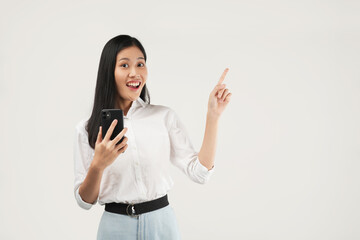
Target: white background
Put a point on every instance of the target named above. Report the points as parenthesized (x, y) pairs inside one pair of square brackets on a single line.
[(287, 161)]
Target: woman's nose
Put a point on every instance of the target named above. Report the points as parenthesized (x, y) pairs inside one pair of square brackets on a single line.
[(132, 72)]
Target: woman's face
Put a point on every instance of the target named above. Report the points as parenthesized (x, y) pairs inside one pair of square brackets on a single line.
[(130, 73)]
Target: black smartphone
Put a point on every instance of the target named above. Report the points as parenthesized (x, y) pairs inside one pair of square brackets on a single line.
[(107, 117)]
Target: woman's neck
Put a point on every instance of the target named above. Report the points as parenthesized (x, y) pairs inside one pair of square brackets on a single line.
[(124, 105)]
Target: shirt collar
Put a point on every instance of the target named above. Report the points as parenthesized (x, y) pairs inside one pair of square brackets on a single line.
[(135, 104), (139, 102)]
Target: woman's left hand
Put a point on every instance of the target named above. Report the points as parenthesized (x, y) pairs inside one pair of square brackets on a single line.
[(219, 97)]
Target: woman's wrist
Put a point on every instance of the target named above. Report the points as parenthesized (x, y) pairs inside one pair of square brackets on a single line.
[(96, 166), (212, 117)]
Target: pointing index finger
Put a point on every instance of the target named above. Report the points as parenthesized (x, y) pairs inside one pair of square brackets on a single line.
[(223, 76)]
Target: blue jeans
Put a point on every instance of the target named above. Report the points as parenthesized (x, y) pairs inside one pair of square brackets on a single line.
[(156, 225)]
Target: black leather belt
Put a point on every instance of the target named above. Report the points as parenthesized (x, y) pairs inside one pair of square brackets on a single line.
[(134, 210)]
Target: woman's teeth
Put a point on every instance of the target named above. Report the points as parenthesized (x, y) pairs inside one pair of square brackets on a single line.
[(133, 85)]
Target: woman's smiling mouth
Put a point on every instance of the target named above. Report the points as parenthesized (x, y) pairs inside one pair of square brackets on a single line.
[(133, 85)]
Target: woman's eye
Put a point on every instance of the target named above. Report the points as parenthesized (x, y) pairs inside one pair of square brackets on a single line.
[(122, 65), (141, 64)]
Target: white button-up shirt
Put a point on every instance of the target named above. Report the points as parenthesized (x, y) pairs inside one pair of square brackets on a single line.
[(156, 137)]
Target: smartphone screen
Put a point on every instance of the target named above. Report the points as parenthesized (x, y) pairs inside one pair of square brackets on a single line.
[(107, 117)]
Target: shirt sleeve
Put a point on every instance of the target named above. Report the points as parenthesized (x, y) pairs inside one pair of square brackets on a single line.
[(182, 152), (82, 160)]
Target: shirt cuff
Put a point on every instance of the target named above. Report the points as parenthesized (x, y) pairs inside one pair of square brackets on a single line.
[(81, 202), (203, 173)]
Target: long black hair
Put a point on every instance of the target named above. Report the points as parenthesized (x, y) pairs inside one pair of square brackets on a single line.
[(106, 91)]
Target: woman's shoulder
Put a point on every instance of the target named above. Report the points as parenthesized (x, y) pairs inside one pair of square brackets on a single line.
[(81, 126), (159, 107), (166, 113)]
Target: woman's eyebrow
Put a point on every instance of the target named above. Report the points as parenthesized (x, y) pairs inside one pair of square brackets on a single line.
[(129, 59)]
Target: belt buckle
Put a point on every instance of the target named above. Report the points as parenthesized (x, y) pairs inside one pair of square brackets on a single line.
[(133, 212)]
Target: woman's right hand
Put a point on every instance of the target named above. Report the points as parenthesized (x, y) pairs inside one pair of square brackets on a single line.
[(106, 150)]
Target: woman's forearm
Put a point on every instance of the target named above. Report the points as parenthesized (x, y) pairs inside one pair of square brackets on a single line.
[(208, 147), (89, 189)]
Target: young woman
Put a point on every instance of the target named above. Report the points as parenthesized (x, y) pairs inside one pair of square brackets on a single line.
[(131, 178)]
